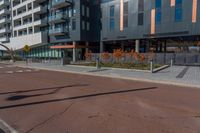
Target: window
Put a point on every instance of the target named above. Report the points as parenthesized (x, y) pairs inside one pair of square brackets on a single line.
[(88, 26), (83, 10), (83, 25), (73, 24), (158, 11), (125, 14), (88, 12), (178, 11), (141, 5), (15, 33), (112, 19), (140, 12), (30, 30), (140, 18)]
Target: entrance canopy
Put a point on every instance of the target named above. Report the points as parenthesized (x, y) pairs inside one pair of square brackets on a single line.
[(68, 46), (63, 47)]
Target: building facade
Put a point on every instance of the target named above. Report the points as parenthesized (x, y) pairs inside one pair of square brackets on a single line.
[(141, 24), (68, 28), (47, 26), (5, 21)]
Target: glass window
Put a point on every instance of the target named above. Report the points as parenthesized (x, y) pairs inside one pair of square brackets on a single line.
[(73, 24), (112, 19), (158, 11), (83, 10), (125, 14), (83, 25), (178, 11), (140, 19)]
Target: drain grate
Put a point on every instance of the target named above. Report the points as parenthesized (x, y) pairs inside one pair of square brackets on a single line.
[(182, 73)]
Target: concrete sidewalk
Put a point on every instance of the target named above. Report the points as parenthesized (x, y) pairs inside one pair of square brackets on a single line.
[(176, 75)]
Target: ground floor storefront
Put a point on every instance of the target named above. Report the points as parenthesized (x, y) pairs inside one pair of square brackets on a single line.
[(77, 51)]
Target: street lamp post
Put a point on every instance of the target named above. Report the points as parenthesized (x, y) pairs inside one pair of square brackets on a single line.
[(9, 51)]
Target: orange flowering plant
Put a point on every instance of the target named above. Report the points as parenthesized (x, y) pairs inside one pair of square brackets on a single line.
[(105, 55), (88, 55), (118, 53)]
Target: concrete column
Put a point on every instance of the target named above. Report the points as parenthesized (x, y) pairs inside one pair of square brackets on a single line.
[(101, 47), (137, 46), (165, 46), (74, 52), (87, 49)]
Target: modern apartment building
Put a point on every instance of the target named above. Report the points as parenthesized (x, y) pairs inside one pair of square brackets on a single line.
[(5, 21), (54, 28), (142, 24)]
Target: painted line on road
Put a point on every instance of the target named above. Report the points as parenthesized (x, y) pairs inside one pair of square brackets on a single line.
[(118, 77), (6, 128), (19, 71), (9, 72)]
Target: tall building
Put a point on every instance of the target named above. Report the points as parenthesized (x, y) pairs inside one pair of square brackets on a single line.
[(144, 24), (54, 28), (68, 28), (5, 21)]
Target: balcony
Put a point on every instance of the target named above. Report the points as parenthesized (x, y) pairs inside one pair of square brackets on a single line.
[(43, 9), (59, 18), (41, 22), (58, 31), (4, 20), (4, 39), (40, 1), (4, 30), (61, 3), (4, 3), (5, 12)]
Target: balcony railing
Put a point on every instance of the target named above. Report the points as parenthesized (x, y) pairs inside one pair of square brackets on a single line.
[(61, 3), (58, 18), (58, 31), (4, 2)]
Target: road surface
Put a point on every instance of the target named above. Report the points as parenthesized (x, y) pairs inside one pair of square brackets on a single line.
[(38, 101)]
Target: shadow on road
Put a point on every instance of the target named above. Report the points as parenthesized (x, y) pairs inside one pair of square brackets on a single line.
[(43, 89), (76, 97), (55, 90)]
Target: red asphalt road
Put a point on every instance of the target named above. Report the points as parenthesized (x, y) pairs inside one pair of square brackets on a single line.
[(55, 102)]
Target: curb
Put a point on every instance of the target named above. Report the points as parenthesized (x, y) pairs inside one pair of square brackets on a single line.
[(117, 77), (111, 68)]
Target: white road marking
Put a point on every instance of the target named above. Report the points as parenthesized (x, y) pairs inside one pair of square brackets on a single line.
[(9, 72), (19, 71)]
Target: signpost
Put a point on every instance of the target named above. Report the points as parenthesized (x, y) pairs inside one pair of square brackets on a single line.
[(26, 49)]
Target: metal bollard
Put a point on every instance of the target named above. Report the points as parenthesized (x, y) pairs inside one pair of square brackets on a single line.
[(98, 63), (151, 66), (172, 62)]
